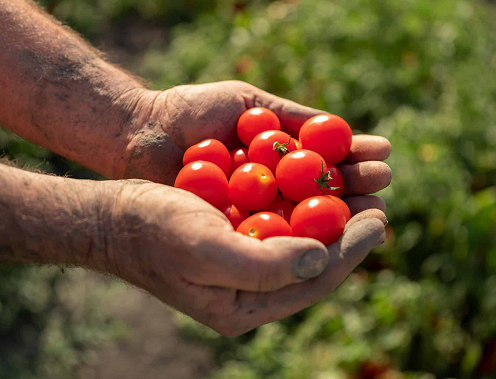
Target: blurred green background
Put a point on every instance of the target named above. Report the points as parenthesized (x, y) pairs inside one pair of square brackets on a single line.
[(419, 72)]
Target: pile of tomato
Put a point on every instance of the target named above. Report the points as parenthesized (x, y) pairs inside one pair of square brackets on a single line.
[(276, 185)]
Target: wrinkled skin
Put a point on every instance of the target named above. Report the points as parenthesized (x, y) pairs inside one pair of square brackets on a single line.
[(185, 252)]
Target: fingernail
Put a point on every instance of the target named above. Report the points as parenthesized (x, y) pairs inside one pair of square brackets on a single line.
[(310, 264), (387, 222)]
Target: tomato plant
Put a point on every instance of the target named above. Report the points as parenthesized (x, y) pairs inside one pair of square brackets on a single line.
[(264, 225), (282, 208), (318, 217), (302, 174), (234, 214), (255, 121), (205, 180), (252, 187), (210, 150), (239, 157), (269, 147), (327, 134)]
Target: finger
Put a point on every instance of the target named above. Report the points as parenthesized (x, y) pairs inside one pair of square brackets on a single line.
[(359, 204), (260, 308), (292, 115), (365, 177), (369, 213), (368, 148), (244, 263)]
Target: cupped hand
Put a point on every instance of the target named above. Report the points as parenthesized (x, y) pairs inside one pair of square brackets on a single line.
[(186, 253), (182, 116)]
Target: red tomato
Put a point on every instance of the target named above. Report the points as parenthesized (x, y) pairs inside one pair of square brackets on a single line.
[(302, 174), (327, 134), (255, 121), (205, 180), (282, 208), (264, 225), (343, 205), (239, 157), (269, 147), (337, 181), (252, 187), (234, 214), (298, 144), (210, 150), (318, 217)]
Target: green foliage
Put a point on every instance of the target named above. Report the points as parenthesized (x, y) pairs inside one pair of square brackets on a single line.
[(419, 72)]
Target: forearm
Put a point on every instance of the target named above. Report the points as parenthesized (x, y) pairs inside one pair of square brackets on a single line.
[(51, 220), (56, 91)]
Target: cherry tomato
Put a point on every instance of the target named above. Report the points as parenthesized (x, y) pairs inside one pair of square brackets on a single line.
[(327, 134), (239, 157), (255, 121), (282, 208), (205, 180), (252, 187), (302, 174), (234, 214), (343, 205), (210, 150), (298, 144), (337, 181), (264, 225), (318, 217), (269, 147)]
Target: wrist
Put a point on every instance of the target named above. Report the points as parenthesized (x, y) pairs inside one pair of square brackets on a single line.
[(51, 220), (148, 151)]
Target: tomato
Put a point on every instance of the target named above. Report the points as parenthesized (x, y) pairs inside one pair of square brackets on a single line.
[(205, 180), (239, 157), (318, 217), (302, 174), (337, 181), (298, 144), (234, 214), (255, 121), (252, 187), (343, 205), (327, 134), (264, 225), (282, 208), (269, 147), (210, 150)]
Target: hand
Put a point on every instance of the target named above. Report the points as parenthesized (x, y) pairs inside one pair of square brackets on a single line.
[(178, 118), (185, 252)]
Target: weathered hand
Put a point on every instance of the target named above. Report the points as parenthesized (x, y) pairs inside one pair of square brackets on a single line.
[(177, 118), (185, 252)]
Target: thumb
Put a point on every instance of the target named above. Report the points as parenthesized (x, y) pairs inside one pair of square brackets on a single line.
[(245, 263), (292, 115)]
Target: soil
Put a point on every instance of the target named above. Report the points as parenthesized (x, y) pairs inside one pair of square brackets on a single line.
[(152, 348)]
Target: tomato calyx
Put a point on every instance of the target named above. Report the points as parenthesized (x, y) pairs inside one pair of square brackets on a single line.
[(324, 178), (281, 148)]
